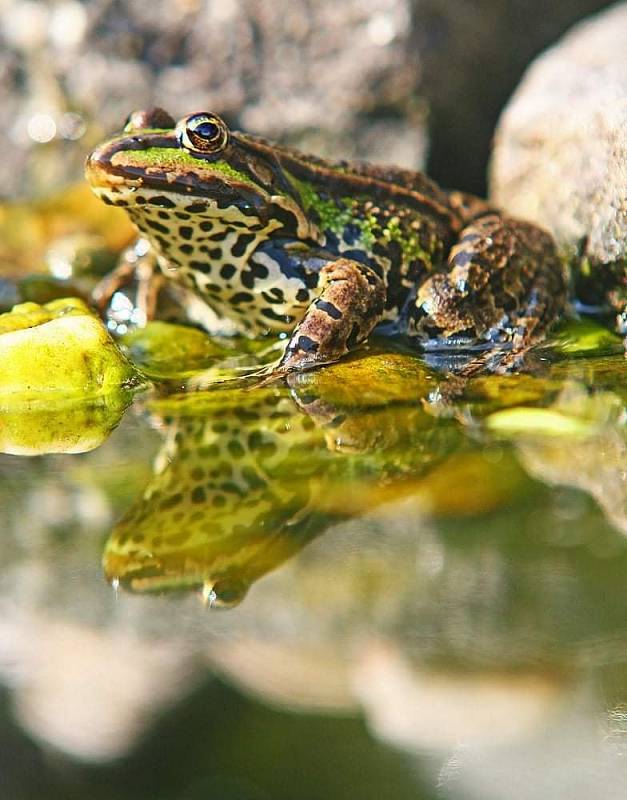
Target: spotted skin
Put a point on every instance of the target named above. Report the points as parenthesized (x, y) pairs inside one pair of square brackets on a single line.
[(261, 233)]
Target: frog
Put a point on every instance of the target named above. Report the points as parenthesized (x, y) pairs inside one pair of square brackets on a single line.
[(323, 253)]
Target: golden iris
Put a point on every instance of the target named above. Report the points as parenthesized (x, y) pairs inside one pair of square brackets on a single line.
[(203, 133)]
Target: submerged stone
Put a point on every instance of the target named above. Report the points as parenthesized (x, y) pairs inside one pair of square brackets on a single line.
[(164, 350)]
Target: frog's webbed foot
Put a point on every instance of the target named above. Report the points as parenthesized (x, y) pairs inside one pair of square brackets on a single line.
[(505, 285), (350, 304), (136, 264)]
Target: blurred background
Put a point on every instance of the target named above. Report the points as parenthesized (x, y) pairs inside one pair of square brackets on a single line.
[(416, 82)]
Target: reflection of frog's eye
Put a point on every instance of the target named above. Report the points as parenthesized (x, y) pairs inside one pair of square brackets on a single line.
[(203, 133), (147, 118)]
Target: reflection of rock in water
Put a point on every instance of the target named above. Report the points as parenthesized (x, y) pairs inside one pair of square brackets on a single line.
[(89, 693), (596, 463)]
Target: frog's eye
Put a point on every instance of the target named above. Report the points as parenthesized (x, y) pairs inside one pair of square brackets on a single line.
[(147, 118), (203, 133)]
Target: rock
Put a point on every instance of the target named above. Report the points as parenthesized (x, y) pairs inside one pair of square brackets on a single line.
[(60, 350), (560, 156), (63, 382)]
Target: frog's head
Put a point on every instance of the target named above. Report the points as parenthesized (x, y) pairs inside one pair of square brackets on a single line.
[(193, 182)]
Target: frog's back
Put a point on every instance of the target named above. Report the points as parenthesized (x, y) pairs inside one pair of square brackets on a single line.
[(379, 182)]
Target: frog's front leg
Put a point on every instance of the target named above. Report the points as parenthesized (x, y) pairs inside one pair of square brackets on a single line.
[(350, 304), (137, 263), (504, 284)]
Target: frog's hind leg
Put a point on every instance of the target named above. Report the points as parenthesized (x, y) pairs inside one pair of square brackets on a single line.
[(350, 304), (504, 285)]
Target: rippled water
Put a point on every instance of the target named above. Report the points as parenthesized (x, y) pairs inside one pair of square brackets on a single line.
[(370, 581)]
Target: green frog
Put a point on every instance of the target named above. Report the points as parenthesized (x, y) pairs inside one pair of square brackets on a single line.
[(324, 252)]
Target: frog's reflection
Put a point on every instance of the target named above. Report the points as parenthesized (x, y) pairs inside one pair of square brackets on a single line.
[(246, 478)]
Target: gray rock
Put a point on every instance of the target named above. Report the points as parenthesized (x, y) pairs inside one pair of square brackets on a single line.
[(560, 156)]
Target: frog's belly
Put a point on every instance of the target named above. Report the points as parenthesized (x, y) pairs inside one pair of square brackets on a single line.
[(269, 303)]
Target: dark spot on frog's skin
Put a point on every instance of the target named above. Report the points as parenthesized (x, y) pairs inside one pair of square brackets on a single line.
[(161, 201), (163, 215), (227, 271), (107, 200), (242, 297), (185, 232), (121, 203), (199, 495), (202, 266), (259, 271), (372, 279), (239, 248), (307, 345), (197, 474), (275, 295), (188, 249), (206, 225), (140, 200), (247, 279), (270, 314), (333, 311), (311, 279), (157, 226), (182, 215), (302, 295), (215, 253), (195, 208), (218, 500)]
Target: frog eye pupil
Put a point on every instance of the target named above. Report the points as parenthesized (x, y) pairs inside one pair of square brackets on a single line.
[(208, 130)]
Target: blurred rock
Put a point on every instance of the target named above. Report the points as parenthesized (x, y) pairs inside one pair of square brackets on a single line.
[(314, 71), (419, 709), (561, 151), (351, 79)]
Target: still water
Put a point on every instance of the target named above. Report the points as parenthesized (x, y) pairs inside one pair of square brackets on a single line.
[(372, 581)]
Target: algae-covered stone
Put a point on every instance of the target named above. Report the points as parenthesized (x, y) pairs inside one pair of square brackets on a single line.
[(60, 349), (164, 350)]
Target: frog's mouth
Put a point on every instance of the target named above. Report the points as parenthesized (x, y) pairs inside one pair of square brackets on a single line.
[(120, 178)]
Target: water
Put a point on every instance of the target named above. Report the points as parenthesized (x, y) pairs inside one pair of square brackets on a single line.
[(368, 582)]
